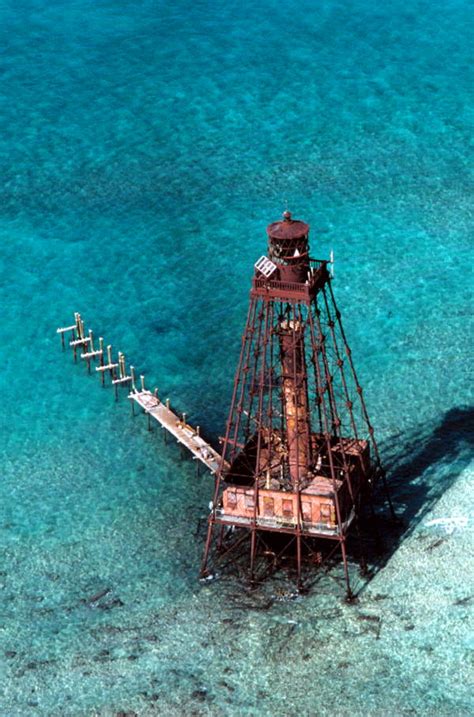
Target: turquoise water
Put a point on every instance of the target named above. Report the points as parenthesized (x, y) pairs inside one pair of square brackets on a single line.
[(143, 148)]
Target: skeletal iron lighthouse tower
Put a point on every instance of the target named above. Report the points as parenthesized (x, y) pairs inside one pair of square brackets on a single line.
[(299, 455)]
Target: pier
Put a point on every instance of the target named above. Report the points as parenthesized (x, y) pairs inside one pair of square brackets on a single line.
[(148, 401), (185, 434)]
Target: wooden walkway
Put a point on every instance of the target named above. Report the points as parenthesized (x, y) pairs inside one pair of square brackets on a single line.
[(184, 434), (150, 403)]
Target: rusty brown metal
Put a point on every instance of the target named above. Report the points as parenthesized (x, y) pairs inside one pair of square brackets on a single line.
[(298, 446), (288, 229), (295, 400)]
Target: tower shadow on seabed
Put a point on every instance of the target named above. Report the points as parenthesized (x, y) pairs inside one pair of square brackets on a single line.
[(420, 470)]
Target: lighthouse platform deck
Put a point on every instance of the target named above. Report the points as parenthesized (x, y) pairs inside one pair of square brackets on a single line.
[(185, 434)]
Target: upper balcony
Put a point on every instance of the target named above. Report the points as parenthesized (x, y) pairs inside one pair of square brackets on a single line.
[(273, 289)]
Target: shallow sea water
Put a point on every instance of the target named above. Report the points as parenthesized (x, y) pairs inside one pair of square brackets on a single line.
[(144, 147)]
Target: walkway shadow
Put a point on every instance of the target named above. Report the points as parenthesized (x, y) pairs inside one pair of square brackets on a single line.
[(419, 472)]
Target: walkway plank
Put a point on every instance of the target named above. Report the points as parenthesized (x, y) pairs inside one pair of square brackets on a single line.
[(184, 434)]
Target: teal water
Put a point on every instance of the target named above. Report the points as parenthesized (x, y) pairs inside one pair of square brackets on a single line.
[(143, 149)]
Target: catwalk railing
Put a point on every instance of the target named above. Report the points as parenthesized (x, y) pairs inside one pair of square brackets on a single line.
[(318, 275)]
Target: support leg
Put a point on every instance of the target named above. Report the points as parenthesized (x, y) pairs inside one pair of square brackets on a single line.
[(299, 584), (253, 542), (204, 571), (349, 593), (220, 539)]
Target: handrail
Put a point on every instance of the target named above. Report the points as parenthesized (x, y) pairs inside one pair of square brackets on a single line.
[(289, 286), (262, 283)]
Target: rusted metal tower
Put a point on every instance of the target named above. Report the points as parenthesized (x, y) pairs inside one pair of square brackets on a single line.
[(299, 455)]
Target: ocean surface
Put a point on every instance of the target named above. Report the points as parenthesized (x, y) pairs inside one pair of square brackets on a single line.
[(144, 146)]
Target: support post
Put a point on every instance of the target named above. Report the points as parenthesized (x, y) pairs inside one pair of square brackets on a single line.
[(298, 560), (220, 539), (253, 544), (89, 349), (109, 363), (349, 593), (101, 360), (204, 571), (74, 351)]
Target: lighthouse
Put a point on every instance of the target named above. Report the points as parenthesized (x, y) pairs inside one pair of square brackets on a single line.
[(299, 457)]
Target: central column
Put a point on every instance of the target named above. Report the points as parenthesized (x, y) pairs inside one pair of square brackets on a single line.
[(295, 399)]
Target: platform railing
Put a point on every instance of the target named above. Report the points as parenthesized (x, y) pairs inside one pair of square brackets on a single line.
[(317, 266)]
